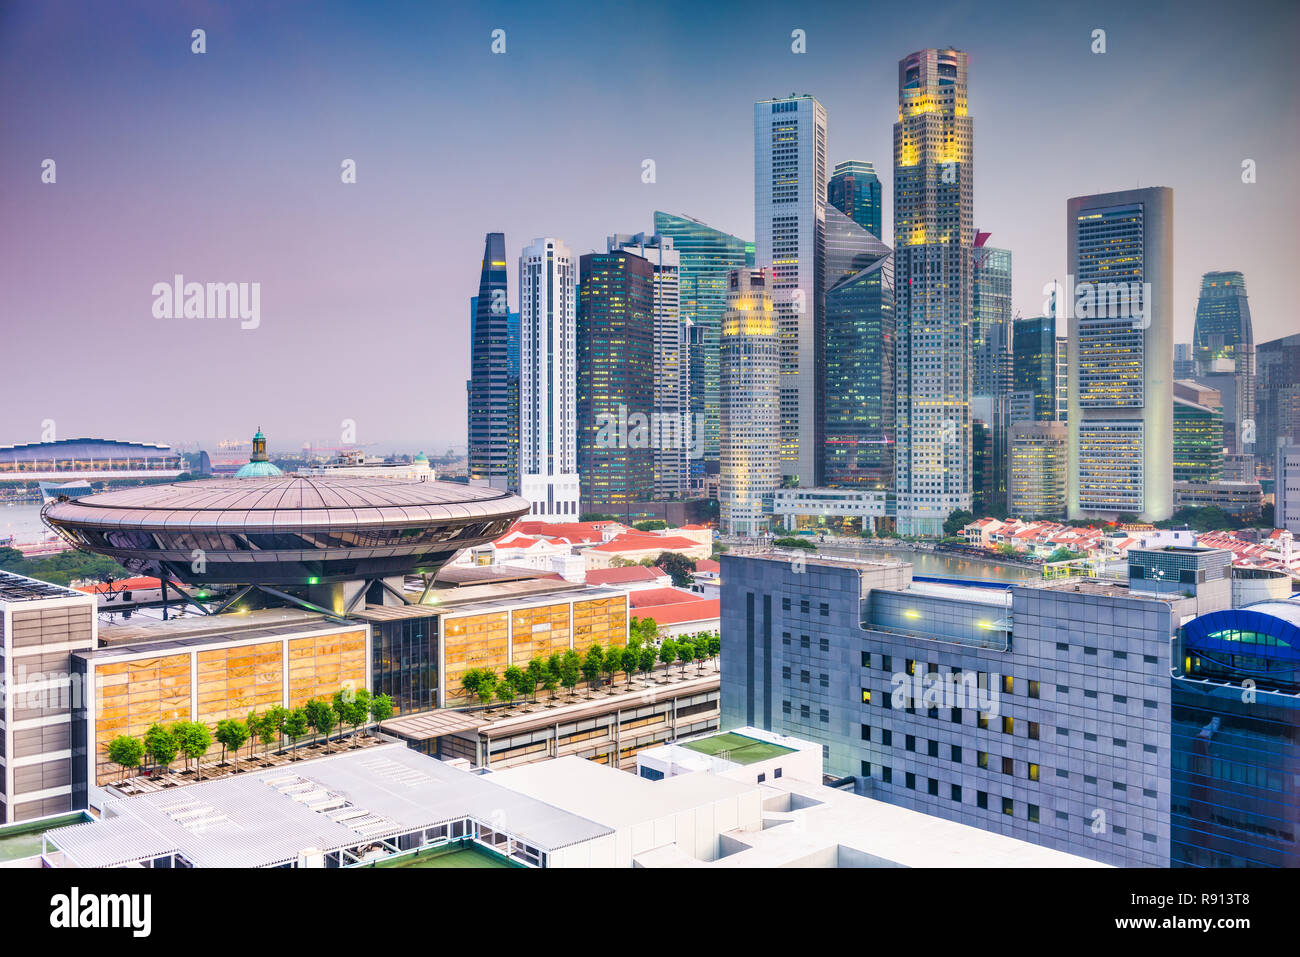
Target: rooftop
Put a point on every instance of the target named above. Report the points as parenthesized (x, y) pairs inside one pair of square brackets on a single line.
[(737, 748), (14, 587)]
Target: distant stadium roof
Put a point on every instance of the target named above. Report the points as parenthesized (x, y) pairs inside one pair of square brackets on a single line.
[(84, 448)]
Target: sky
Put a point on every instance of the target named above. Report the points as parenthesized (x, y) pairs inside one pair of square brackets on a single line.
[(226, 166)]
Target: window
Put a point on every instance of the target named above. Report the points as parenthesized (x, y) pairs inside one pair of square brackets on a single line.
[(804, 677), (1009, 807), (934, 749), (776, 773), (911, 742), (866, 732), (824, 716), (1008, 684), (1008, 724), (887, 702), (1008, 766), (1033, 772), (1120, 742), (982, 720), (866, 695), (887, 775), (1121, 699), (805, 711), (933, 787), (785, 604), (910, 666), (1033, 814), (956, 715), (803, 607), (866, 769), (785, 637), (785, 707), (886, 737), (956, 793), (1089, 651), (1062, 646), (956, 753), (982, 800), (805, 642), (911, 781), (982, 759), (762, 778), (1032, 727), (866, 659), (886, 663), (785, 672), (1033, 689), (825, 609)]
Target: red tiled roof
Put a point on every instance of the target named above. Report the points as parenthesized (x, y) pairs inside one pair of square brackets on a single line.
[(685, 611), (662, 596), (574, 531), (640, 542), (621, 576), (707, 565)]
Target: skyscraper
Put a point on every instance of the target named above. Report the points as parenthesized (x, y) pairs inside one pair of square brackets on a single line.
[(493, 393), (1277, 397), (1036, 478), (1223, 347), (548, 453), (933, 236), (854, 190), (750, 354), (616, 384), (706, 257), (859, 402), (1198, 433), (1118, 298), (1033, 357), (789, 226), (672, 380), (991, 324), (1184, 364)]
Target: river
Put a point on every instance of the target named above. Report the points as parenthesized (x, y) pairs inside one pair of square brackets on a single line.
[(23, 522), (943, 564)]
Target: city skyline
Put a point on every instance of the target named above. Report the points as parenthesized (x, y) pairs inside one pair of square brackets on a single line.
[(375, 275)]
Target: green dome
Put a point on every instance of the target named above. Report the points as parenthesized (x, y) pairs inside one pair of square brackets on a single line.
[(258, 470), (422, 457)]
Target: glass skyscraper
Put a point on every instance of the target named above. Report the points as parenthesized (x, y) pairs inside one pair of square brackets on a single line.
[(707, 257), (615, 391), (1198, 433), (1033, 378), (1223, 348), (859, 361), (493, 388), (854, 189)]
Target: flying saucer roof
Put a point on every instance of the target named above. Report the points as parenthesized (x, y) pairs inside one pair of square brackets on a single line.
[(288, 500)]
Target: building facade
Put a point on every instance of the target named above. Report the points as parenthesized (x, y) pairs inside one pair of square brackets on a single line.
[(548, 426), (1277, 397), (859, 361), (1198, 433), (790, 177), (493, 401), (1040, 712), (706, 257), (675, 435), (854, 189), (1119, 299), (1036, 477), (934, 232), (1223, 348), (616, 379), (751, 392), (1286, 488)]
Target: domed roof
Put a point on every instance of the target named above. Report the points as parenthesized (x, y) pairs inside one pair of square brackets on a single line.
[(422, 458), (258, 470)]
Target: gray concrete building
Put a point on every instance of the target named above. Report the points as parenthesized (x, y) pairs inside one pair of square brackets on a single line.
[(1036, 711)]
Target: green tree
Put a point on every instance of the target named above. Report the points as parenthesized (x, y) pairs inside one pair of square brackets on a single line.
[(715, 647), (631, 660), (358, 711), (126, 752), (506, 692), (340, 703), (381, 708), (160, 745), (647, 662), (612, 663), (685, 652), (554, 673), (515, 677), (295, 726), (193, 739), (668, 651), (487, 686), (268, 730), (592, 665), (231, 735), (325, 718), (570, 670), (536, 675), (794, 542), (275, 718), (652, 525), (317, 719), (470, 680), (254, 722), (701, 652), (678, 566), (956, 521)]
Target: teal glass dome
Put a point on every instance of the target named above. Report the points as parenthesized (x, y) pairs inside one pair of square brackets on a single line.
[(258, 470)]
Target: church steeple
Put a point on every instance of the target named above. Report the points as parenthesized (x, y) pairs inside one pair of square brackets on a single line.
[(259, 466), (259, 447)]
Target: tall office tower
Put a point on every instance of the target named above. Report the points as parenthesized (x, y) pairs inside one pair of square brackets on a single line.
[(1034, 369), (751, 421), (1036, 471), (859, 402), (706, 257), (1198, 432), (934, 231), (1119, 249), (616, 383), (1277, 397), (1062, 379), (1223, 347), (1184, 364), (854, 189), (672, 380), (493, 399), (991, 347), (789, 237), (548, 368)]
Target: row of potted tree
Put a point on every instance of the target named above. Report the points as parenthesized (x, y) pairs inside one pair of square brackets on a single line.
[(162, 744), (566, 669)]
